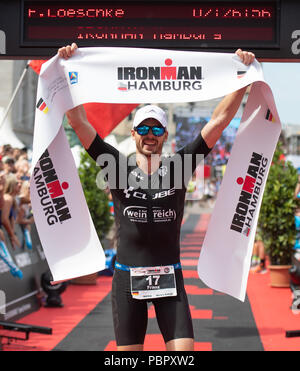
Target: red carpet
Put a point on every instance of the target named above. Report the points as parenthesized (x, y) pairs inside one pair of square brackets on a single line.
[(272, 313), (270, 307), (78, 301)]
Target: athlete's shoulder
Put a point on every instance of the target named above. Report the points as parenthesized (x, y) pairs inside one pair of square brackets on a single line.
[(99, 147)]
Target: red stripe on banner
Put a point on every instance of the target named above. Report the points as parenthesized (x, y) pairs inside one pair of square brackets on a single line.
[(42, 106)]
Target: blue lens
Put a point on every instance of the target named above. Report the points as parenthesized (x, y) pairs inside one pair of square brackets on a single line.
[(143, 130), (158, 131)]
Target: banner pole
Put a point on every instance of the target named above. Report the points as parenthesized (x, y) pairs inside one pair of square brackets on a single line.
[(14, 94)]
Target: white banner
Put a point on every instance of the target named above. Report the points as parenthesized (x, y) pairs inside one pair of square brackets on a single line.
[(123, 75), (227, 248)]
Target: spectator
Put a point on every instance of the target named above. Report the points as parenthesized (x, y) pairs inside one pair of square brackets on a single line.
[(7, 150), (210, 191), (258, 256), (297, 220), (297, 226), (24, 216), (8, 165), (22, 169), (2, 185), (16, 153), (14, 172), (10, 208), (297, 189)]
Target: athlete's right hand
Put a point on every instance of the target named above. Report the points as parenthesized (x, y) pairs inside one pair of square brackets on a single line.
[(66, 52)]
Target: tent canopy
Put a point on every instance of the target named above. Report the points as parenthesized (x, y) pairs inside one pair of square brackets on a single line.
[(7, 136)]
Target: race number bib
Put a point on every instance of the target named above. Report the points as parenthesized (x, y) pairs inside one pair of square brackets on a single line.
[(153, 282)]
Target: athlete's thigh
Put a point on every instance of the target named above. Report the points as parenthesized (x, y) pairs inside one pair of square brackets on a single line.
[(130, 316), (173, 313)]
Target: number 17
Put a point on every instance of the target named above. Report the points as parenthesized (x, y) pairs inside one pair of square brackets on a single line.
[(149, 279)]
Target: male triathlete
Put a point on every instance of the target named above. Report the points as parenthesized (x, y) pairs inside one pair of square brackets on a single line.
[(148, 214)]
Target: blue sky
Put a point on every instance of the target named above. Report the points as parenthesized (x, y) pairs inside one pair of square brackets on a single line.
[(284, 80)]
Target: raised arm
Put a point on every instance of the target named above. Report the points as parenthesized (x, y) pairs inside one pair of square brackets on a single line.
[(7, 223), (226, 109), (79, 122), (77, 116)]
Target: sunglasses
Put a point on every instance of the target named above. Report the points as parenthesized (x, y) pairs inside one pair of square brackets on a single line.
[(158, 131)]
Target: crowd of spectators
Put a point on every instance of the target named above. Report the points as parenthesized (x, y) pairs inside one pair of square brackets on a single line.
[(15, 205)]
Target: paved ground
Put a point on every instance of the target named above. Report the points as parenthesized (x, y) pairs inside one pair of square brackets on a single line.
[(220, 321)]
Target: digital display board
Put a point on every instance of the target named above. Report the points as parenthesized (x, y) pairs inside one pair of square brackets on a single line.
[(165, 24), (37, 28)]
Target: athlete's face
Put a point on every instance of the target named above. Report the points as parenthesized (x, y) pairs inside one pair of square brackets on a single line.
[(149, 144)]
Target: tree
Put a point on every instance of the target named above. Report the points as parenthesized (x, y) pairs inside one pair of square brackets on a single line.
[(96, 198), (276, 219)]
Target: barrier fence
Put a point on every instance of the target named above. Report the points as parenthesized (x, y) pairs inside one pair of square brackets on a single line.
[(20, 275)]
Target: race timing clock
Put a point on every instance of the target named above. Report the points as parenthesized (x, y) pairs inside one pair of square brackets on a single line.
[(36, 28), (162, 24)]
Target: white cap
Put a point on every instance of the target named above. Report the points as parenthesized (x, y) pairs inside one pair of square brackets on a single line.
[(148, 112)]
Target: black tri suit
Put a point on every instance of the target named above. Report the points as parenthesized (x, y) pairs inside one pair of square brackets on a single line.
[(148, 215)]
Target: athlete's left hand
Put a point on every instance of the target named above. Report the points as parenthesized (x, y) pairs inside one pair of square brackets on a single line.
[(245, 57)]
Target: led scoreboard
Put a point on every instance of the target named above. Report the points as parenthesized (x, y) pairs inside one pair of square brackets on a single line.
[(36, 28), (182, 24)]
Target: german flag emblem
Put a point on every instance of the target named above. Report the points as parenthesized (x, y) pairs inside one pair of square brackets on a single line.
[(269, 116), (240, 74), (42, 106), (122, 87)]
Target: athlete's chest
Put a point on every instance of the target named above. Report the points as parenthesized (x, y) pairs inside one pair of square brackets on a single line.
[(150, 198)]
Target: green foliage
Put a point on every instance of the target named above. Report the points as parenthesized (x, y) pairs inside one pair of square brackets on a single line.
[(276, 219), (71, 135), (96, 198)]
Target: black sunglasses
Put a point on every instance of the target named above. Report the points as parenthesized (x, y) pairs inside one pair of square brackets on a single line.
[(158, 131)]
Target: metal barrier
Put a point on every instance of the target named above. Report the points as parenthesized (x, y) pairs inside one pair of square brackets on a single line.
[(20, 327), (20, 288)]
